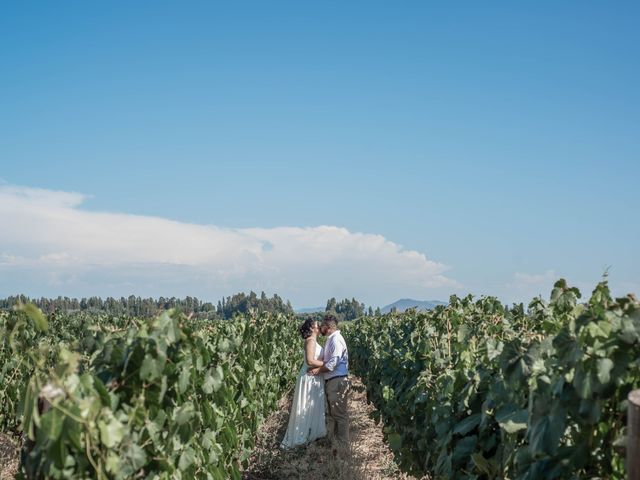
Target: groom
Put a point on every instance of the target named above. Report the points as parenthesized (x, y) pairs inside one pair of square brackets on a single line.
[(336, 381)]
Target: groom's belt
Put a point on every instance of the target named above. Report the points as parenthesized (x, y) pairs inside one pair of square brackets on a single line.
[(333, 378)]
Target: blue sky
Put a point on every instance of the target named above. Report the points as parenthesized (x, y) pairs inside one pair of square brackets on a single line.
[(498, 140)]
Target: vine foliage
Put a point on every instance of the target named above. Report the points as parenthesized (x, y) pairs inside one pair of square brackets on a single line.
[(475, 390), (172, 397)]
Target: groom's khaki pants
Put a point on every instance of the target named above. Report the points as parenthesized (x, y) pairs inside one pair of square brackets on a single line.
[(337, 391)]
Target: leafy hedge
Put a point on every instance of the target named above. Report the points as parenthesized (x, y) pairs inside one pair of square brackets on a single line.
[(171, 398), (28, 341), (475, 390)]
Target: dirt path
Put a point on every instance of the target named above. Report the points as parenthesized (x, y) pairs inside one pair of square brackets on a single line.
[(370, 457), (8, 457)]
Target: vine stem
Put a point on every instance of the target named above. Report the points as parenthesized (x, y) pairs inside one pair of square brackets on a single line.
[(90, 457), (69, 414), (449, 337)]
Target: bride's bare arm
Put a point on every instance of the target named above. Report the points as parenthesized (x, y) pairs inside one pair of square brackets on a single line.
[(310, 353)]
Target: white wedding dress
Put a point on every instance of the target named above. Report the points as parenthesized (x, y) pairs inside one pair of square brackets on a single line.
[(306, 421)]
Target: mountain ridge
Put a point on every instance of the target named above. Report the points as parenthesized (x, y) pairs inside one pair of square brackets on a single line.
[(406, 303)]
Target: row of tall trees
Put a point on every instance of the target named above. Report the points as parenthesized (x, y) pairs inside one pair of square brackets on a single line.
[(349, 309), (242, 303), (148, 307), (135, 306)]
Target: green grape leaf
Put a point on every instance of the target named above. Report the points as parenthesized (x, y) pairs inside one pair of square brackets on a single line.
[(35, 315), (604, 370)]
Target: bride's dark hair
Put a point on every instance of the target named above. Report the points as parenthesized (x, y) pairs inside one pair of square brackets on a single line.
[(306, 327)]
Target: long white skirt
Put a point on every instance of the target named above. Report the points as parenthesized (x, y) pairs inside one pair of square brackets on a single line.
[(306, 421)]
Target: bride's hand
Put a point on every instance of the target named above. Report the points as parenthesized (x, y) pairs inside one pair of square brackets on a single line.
[(313, 371)]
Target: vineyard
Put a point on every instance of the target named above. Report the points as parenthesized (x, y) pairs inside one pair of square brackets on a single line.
[(115, 398), (470, 390), (475, 390)]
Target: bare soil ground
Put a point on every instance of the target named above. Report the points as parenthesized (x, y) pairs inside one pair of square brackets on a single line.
[(369, 457), (9, 457)]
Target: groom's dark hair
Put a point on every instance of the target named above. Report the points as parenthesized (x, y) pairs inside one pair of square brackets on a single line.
[(330, 320)]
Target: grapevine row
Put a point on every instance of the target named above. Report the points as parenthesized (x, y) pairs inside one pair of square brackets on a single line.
[(476, 390), (169, 398)]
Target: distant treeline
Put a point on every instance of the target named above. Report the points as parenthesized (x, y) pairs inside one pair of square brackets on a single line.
[(349, 309), (149, 307), (225, 308)]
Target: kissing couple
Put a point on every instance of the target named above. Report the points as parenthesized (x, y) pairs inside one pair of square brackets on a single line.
[(323, 379)]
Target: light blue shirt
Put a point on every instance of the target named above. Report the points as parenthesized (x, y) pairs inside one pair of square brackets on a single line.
[(336, 356)]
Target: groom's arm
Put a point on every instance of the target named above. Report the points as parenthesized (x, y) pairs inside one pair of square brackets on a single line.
[(334, 355), (322, 369), (318, 370), (327, 366)]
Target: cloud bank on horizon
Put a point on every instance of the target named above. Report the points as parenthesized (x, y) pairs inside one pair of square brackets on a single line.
[(50, 246)]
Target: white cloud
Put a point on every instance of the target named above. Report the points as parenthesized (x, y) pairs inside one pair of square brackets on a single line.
[(49, 245)]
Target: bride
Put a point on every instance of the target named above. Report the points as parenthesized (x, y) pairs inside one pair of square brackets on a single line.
[(306, 422)]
